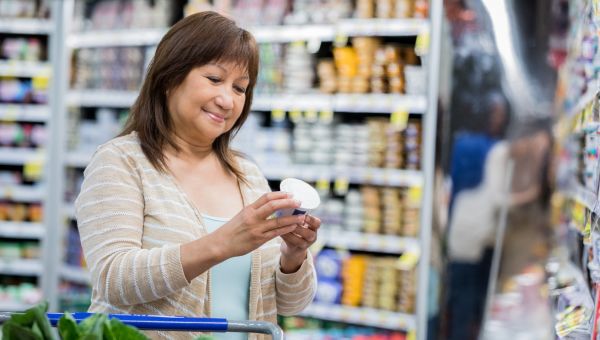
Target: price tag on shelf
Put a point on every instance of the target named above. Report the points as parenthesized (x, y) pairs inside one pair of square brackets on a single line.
[(408, 260), (340, 40), (40, 82), (326, 116), (414, 195), (311, 115), (399, 119), (322, 185), (295, 116), (33, 170), (422, 43), (278, 115), (340, 186)]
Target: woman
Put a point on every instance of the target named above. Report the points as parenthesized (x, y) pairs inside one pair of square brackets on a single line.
[(172, 221)]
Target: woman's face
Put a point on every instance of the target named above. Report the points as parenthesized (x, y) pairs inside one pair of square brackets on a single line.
[(208, 102)]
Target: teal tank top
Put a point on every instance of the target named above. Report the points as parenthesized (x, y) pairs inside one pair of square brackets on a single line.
[(229, 286)]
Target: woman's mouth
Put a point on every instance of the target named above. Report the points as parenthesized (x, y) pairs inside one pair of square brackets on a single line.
[(215, 117)]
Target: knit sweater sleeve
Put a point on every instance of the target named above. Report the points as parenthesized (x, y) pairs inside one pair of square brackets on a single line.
[(110, 218), (294, 291)]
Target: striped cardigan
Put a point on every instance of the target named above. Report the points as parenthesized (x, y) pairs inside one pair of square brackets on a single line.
[(132, 220)]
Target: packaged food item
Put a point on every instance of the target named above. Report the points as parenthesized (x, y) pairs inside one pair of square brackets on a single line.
[(302, 191)]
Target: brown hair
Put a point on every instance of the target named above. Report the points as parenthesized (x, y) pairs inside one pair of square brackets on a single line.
[(194, 41)]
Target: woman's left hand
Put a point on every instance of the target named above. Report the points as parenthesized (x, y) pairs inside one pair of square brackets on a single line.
[(296, 244)]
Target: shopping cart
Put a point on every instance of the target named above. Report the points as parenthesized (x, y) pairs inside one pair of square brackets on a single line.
[(177, 323)]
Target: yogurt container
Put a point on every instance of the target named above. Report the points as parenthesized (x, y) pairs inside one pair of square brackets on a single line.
[(303, 192)]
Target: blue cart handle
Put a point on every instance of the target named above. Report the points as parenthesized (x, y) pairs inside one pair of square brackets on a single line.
[(178, 323)]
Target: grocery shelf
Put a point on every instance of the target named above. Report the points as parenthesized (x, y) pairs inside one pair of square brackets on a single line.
[(353, 240), (25, 230), (25, 26), (345, 27), (94, 98), (22, 193), (20, 156), (382, 27), (75, 274), (360, 103), (114, 38), (78, 159), (263, 34), (291, 33), (356, 175), (25, 69), (361, 316), (24, 112), (14, 306), (585, 196), (586, 98), (23, 267)]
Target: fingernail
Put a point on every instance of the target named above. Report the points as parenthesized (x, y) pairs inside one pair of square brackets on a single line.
[(298, 203)]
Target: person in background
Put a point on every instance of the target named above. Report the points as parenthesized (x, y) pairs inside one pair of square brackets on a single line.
[(174, 222), (477, 168)]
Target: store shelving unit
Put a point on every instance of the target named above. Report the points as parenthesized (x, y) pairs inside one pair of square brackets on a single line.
[(24, 113), (10, 306), (20, 155), (95, 98), (114, 38), (26, 26), (340, 104), (23, 193), (351, 240), (348, 103), (15, 157), (23, 267), (24, 69), (362, 316), (577, 203)]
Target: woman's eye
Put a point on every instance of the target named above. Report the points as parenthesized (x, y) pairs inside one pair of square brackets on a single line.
[(240, 89), (214, 79)]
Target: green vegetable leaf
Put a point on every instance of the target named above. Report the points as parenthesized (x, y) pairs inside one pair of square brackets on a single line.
[(92, 328), (31, 324), (25, 319), (41, 320), (67, 328), (121, 331), (13, 331)]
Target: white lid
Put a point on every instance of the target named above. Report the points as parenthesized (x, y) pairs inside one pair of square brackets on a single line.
[(302, 191)]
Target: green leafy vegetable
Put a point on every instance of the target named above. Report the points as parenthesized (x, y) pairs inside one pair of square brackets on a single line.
[(121, 331), (67, 327), (34, 325)]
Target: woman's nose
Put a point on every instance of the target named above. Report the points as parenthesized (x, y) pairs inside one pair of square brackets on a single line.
[(225, 99)]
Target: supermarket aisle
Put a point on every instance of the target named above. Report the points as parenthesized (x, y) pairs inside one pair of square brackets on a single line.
[(346, 100), (341, 103)]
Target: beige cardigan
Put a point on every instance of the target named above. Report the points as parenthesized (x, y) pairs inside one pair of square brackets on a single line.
[(132, 220)]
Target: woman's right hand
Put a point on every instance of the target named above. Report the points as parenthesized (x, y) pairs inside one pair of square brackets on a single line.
[(252, 227)]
